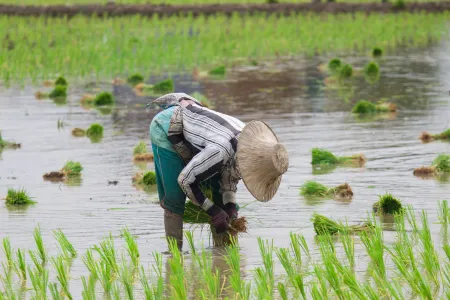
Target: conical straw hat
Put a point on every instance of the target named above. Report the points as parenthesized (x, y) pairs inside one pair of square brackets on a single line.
[(261, 160)]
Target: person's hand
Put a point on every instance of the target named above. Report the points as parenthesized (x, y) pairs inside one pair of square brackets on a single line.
[(231, 210), (220, 221)]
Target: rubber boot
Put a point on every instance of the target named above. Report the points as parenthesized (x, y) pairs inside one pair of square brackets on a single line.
[(173, 224)]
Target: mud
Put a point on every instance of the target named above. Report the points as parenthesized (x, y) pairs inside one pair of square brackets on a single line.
[(114, 10)]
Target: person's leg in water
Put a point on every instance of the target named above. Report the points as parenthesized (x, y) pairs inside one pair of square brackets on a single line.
[(168, 166)]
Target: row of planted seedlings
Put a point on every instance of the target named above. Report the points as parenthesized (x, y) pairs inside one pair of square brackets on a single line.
[(97, 47), (413, 266)]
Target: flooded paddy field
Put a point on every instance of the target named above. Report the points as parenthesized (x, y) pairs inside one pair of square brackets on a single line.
[(292, 96)]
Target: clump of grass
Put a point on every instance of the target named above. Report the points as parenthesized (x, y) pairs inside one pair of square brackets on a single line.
[(103, 99), (60, 91), (135, 79), (78, 132), (313, 188), (18, 197), (220, 70), (165, 86), (440, 165), (334, 65), (325, 157), (346, 71), (372, 69), (388, 204), (72, 168), (377, 52), (323, 225), (61, 81), (95, 130), (428, 137), (366, 107)]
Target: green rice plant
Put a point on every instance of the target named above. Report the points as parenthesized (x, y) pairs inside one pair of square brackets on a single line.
[(140, 148), (346, 71), (158, 285), (94, 130), (411, 217), (56, 294), (178, 289), (315, 189), (212, 288), (72, 168), (428, 137), (348, 244), (39, 281), (430, 258), (266, 251), (126, 277), (220, 70), (388, 204), (40, 244), (61, 81), (233, 259), (104, 99), (377, 52), (263, 286), (88, 292), (116, 292), (90, 263), (66, 247), (62, 274), (334, 65), (296, 278), (444, 213), (399, 4), (18, 197), (372, 69), (442, 163), (364, 107), (7, 281), (107, 253), (105, 274), (38, 263), (323, 225), (323, 157), (190, 239), (7, 250), (60, 91), (20, 266), (164, 86), (146, 288), (375, 248), (135, 79), (149, 178), (297, 244), (282, 290), (132, 247)]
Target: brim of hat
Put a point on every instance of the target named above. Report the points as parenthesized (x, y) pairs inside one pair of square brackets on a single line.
[(262, 190)]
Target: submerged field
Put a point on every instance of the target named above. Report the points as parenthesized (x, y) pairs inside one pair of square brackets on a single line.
[(92, 48)]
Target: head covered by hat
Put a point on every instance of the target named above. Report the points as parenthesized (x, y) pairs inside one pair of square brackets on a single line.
[(171, 99)]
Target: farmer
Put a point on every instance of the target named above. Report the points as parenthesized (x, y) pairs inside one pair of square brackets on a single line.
[(194, 146)]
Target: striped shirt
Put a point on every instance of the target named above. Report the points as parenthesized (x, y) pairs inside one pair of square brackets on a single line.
[(207, 140)]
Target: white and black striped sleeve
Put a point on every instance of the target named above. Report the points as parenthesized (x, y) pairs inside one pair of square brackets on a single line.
[(175, 135)]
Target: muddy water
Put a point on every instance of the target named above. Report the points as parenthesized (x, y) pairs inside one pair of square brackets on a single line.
[(290, 96)]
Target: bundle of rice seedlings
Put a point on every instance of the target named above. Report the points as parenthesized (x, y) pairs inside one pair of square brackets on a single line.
[(40, 95), (323, 225), (372, 69), (140, 152), (377, 52), (60, 91), (366, 107), (220, 70), (72, 168), (78, 132), (165, 86), (334, 65), (385, 107), (325, 157), (87, 100), (388, 205), (313, 188), (54, 176), (94, 130), (346, 71), (18, 197), (48, 83), (440, 165), (135, 79), (428, 137), (103, 99), (61, 81), (146, 179)]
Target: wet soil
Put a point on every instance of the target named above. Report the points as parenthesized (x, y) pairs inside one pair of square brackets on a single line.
[(213, 9)]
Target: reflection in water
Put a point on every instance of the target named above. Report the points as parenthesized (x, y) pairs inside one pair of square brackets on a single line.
[(74, 180)]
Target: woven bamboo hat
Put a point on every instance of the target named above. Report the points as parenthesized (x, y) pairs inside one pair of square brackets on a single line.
[(261, 160)]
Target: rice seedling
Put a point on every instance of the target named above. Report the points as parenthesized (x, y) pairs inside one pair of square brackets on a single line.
[(266, 251), (388, 204), (372, 69), (140, 148), (428, 137), (88, 292), (90, 263), (386, 107), (39, 281), (132, 247), (375, 248), (107, 253), (37, 234), (220, 70), (149, 178), (7, 250), (313, 188), (334, 65), (233, 259), (430, 258), (346, 71), (162, 87), (178, 289), (60, 91), (18, 197), (126, 277), (325, 157), (66, 247), (298, 243), (135, 79), (295, 278), (323, 225), (444, 212), (20, 266), (94, 129), (366, 107), (115, 292), (439, 166), (282, 290), (56, 294), (72, 168), (38, 264), (104, 99), (105, 275), (61, 81), (212, 287), (78, 132), (377, 52)]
